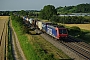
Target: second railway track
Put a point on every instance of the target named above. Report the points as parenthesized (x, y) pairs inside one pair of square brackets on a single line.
[(82, 48)]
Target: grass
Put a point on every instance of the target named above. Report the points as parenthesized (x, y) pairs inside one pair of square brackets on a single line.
[(26, 47)]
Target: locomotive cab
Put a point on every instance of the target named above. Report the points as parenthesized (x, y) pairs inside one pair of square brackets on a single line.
[(63, 33)]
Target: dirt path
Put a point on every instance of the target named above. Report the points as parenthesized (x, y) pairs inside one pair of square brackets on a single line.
[(18, 53)]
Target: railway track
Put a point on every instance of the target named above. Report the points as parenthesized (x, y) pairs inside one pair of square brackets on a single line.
[(79, 51), (78, 47), (81, 44)]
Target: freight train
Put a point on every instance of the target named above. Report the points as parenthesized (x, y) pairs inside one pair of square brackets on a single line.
[(51, 29)]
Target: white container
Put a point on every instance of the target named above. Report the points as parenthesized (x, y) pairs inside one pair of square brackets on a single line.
[(39, 24), (27, 19), (30, 20)]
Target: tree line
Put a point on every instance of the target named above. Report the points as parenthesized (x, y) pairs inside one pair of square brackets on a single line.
[(4, 13), (80, 8), (69, 19)]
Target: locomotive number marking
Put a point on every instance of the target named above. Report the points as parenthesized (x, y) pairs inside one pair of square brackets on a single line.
[(49, 31)]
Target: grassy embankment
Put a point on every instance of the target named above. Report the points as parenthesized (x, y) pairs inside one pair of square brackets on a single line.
[(35, 47), (25, 45)]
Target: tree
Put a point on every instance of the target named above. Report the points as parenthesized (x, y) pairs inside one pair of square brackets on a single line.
[(75, 29), (22, 12), (48, 11), (54, 18)]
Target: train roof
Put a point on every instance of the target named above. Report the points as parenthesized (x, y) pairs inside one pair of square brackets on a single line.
[(55, 25)]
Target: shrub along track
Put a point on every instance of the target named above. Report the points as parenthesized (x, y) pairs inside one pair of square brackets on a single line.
[(74, 48)]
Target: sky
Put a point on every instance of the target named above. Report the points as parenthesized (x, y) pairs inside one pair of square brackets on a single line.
[(14, 5)]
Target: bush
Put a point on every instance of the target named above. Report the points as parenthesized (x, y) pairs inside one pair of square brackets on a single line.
[(75, 29)]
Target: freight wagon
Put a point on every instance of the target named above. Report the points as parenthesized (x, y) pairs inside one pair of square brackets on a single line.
[(39, 24), (44, 26)]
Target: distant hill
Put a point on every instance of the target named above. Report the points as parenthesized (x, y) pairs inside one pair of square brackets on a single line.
[(81, 8)]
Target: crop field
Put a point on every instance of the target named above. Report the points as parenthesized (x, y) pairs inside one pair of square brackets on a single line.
[(82, 26), (2, 21), (3, 35), (4, 17)]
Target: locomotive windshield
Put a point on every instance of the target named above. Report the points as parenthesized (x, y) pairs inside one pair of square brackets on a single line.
[(62, 31)]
